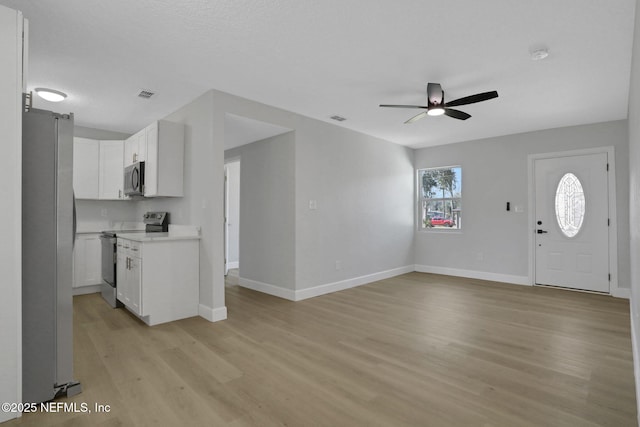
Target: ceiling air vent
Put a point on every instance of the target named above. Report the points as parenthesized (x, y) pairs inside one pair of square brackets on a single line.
[(146, 94), (338, 118)]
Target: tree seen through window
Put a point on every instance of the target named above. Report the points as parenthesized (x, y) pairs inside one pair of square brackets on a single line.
[(440, 198)]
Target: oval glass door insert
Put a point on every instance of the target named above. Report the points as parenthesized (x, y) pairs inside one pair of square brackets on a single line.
[(570, 204)]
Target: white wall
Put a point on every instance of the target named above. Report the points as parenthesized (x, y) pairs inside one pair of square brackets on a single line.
[(363, 187), (11, 212), (634, 198), (202, 204), (494, 171), (267, 211), (103, 213), (233, 212)]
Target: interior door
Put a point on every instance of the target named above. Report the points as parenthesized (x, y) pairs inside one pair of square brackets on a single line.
[(572, 224)]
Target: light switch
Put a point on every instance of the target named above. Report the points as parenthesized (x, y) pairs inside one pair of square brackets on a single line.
[(313, 205)]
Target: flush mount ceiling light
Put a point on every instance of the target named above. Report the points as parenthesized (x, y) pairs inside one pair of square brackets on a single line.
[(50, 94)]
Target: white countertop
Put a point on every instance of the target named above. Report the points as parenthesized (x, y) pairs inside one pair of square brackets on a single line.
[(96, 227), (158, 237)]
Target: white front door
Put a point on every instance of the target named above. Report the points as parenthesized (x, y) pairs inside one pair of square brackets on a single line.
[(572, 222)]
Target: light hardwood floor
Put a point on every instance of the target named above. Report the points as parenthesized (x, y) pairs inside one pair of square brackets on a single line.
[(418, 350)]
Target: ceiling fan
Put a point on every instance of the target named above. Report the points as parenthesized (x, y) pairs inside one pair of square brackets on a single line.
[(437, 107)]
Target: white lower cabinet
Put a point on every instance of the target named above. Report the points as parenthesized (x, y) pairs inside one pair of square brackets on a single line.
[(87, 260), (159, 280), (122, 267)]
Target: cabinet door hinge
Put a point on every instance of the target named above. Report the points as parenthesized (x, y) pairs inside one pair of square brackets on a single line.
[(607, 167), (609, 276), (608, 222)]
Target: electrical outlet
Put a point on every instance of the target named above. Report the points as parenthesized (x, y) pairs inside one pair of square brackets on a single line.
[(480, 256), (338, 265), (313, 205), (103, 213)]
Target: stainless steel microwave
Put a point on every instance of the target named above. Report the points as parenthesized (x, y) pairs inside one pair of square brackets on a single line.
[(134, 179)]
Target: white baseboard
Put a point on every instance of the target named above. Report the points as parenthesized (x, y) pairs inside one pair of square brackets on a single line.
[(84, 290), (328, 288), (621, 293), (636, 355), (235, 264), (266, 288), (350, 283), (212, 314), (474, 274)]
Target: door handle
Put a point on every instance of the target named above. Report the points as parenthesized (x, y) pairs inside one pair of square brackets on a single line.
[(542, 231)]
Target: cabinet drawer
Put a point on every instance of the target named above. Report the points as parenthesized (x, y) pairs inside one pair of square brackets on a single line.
[(135, 249)]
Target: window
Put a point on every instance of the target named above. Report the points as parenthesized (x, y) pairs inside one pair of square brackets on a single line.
[(570, 205), (440, 198)]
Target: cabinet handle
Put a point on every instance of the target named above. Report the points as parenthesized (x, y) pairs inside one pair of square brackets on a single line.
[(135, 157), (134, 249), (119, 194)]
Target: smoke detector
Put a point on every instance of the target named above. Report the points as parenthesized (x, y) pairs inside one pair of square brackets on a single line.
[(539, 54)]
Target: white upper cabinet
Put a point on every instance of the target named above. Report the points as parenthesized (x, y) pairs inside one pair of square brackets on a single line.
[(98, 166), (135, 148), (164, 160), (98, 169), (86, 161), (111, 170)]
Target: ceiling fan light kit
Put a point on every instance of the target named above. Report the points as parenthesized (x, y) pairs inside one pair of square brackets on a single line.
[(437, 107)]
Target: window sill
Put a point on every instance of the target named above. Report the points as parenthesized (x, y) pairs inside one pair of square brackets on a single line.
[(440, 231)]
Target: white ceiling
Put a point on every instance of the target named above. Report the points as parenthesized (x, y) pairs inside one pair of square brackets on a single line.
[(344, 57)]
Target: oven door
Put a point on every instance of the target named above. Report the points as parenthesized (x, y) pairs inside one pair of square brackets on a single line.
[(108, 259), (108, 285)]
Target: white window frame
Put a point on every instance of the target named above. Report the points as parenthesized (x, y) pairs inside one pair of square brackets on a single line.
[(422, 199)]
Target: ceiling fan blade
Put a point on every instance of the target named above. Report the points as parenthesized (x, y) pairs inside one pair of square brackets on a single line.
[(434, 93), (456, 114), (416, 118), (404, 106), (472, 99)]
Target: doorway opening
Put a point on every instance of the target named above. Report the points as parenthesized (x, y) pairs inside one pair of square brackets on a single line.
[(232, 215), (244, 204)]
